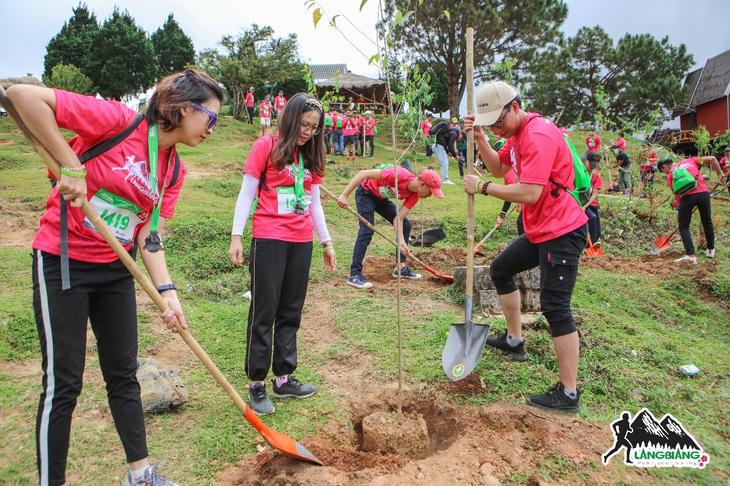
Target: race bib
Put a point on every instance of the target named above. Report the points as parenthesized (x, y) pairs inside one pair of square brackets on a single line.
[(119, 215), (386, 192), (287, 200)]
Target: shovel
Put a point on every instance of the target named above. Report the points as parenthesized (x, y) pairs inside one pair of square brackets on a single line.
[(465, 343), (445, 278), (593, 251), (277, 440), (478, 246), (663, 242)]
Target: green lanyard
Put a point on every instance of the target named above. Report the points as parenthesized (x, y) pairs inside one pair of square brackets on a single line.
[(299, 180), (153, 242)]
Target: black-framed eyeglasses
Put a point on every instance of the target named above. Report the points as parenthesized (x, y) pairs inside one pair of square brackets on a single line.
[(213, 117), (500, 121), (307, 128)]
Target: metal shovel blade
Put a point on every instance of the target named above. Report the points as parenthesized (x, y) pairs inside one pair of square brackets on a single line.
[(464, 346)]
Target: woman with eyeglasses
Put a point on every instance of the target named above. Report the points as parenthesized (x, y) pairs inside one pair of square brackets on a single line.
[(134, 186), (283, 173)]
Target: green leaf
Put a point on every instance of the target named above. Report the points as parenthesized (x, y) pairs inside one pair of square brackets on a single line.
[(374, 59), (398, 18), (447, 14), (316, 15), (362, 4)]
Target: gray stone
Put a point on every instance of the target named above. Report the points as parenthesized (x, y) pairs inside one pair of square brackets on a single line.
[(161, 390), (489, 301), (530, 299)]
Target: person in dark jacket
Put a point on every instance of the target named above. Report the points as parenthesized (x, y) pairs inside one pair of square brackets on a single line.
[(445, 142)]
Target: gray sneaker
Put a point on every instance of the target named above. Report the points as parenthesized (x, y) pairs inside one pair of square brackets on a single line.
[(259, 399), (151, 478), (293, 388)]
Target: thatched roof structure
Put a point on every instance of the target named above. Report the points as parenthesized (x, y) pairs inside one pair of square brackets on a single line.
[(7, 82), (356, 86)]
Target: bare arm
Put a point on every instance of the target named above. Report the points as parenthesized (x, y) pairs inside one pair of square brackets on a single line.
[(517, 193), (488, 154), (356, 181)]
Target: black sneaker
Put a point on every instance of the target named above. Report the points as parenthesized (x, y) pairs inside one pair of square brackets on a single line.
[(555, 400), (293, 388), (259, 400), (517, 353)]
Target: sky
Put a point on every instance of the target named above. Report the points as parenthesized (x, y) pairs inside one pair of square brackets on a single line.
[(27, 26)]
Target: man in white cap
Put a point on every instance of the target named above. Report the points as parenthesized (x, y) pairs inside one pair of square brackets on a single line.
[(554, 223)]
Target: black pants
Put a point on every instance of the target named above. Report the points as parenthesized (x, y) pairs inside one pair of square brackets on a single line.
[(103, 294), (327, 140), (558, 261), (367, 205), (594, 223), (369, 140), (250, 110), (701, 201), (279, 276)]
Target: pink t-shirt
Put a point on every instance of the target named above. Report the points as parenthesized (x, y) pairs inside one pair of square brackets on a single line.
[(274, 217), (264, 110), (596, 184), (349, 126), (621, 143), (692, 165), (426, 126), (538, 152), (249, 99), (385, 186), (280, 102), (369, 126), (118, 181)]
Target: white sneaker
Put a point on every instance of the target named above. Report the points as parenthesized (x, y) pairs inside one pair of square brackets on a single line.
[(448, 183), (687, 258), (710, 253)]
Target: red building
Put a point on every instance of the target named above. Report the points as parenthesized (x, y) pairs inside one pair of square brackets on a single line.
[(709, 96)]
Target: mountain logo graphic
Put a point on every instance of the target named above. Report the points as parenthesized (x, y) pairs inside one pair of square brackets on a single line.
[(652, 443)]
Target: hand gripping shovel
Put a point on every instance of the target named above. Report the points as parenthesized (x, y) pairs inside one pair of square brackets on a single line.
[(445, 278), (277, 440), (664, 242), (465, 343)]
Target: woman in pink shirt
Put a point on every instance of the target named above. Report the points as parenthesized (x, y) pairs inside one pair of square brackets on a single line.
[(134, 186), (285, 172)]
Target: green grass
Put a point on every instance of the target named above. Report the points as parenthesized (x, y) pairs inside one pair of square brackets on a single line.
[(640, 328)]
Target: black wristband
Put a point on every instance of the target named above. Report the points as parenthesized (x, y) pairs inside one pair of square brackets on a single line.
[(162, 288), (483, 190)]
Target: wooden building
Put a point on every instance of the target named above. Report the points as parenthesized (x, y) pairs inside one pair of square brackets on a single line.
[(709, 97)]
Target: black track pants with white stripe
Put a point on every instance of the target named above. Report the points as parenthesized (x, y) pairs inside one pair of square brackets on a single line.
[(103, 294)]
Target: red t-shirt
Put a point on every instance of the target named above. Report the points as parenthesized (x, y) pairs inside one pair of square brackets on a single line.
[(724, 165), (594, 144), (426, 126), (596, 184), (692, 165), (279, 102), (349, 126), (621, 144), (385, 186), (264, 110), (538, 152), (249, 100), (274, 217), (118, 181)]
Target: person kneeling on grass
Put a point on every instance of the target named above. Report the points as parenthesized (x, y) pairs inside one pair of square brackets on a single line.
[(374, 189), (699, 198)]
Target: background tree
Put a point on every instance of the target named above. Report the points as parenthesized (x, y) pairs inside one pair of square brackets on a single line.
[(174, 50), (72, 45), (438, 80), (435, 33), (123, 59), (254, 58), (592, 80), (70, 78)]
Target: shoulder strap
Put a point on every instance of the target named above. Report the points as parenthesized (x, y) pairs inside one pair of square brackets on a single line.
[(175, 171), (262, 179), (102, 147)]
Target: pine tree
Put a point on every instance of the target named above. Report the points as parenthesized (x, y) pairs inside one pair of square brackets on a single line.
[(72, 45), (174, 50)]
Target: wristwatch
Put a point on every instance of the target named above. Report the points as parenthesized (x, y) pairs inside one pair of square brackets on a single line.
[(162, 288)]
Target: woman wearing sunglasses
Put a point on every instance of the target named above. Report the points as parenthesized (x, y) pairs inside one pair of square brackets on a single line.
[(134, 186), (285, 173)]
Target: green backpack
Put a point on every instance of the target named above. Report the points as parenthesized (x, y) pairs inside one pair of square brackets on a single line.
[(683, 181), (581, 178)]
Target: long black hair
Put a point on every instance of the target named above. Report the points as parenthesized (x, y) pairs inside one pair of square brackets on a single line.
[(289, 129)]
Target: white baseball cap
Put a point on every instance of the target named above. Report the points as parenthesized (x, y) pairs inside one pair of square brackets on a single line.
[(368, 112), (491, 100)]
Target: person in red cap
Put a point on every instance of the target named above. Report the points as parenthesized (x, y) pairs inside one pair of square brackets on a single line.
[(375, 187), (555, 229)]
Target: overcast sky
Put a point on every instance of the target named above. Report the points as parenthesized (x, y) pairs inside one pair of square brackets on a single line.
[(27, 26)]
